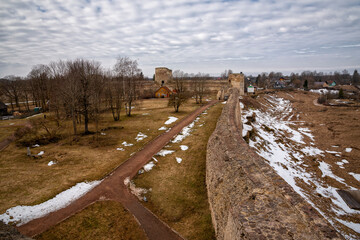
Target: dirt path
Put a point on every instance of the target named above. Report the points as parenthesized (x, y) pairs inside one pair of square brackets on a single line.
[(113, 188)]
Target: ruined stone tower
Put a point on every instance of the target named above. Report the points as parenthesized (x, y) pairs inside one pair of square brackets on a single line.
[(162, 75), (237, 80)]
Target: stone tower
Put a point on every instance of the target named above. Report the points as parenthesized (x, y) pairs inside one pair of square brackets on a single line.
[(237, 80), (162, 75)]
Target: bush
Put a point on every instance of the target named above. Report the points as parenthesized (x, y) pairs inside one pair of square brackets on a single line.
[(341, 93), (322, 99)]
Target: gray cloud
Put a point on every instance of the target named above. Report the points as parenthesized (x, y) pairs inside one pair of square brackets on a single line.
[(192, 35)]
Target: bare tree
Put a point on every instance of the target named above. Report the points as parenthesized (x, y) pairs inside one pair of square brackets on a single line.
[(11, 88), (129, 73), (180, 96), (39, 78), (114, 95), (198, 84), (86, 73)]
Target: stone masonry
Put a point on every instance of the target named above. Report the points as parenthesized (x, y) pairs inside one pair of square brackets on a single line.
[(162, 75), (237, 80), (248, 200)]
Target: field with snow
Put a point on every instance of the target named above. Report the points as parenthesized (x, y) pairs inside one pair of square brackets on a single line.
[(301, 142)]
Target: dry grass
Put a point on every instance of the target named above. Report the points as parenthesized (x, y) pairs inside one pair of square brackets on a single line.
[(27, 181), (179, 195), (102, 220)]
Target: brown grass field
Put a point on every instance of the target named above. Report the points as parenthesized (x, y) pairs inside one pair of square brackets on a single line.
[(101, 220), (178, 191), (27, 181)]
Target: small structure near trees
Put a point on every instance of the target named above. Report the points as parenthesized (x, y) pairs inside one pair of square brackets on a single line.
[(163, 92)]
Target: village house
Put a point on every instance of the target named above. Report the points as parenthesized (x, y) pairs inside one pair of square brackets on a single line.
[(163, 92)]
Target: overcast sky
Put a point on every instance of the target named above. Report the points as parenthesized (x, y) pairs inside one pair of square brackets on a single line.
[(191, 35)]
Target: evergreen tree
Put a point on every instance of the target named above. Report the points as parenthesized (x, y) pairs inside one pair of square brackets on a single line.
[(356, 78)]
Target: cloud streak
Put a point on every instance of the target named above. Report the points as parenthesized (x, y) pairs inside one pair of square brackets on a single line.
[(192, 35)]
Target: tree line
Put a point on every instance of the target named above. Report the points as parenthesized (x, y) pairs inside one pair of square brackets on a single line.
[(77, 89), (298, 79)]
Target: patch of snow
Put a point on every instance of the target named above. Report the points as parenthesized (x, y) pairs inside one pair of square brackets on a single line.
[(120, 149), (184, 147), (24, 214), (179, 160), (138, 192), (41, 153), (324, 91), (184, 133), (287, 158), (352, 225), (155, 159), (171, 120), (326, 171), (341, 164), (223, 102), (36, 145), (164, 152), (140, 137), (103, 133), (312, 151), (149, 166), (51, 163), (242, 105), (246, 128), (127, 144), (355, 175), (348, 150), (332, 152), (163, 128), (335, 146)]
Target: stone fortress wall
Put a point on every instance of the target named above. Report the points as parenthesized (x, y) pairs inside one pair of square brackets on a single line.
[(248, 200)]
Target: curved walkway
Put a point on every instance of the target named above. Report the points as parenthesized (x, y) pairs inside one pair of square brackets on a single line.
[(113, 188)]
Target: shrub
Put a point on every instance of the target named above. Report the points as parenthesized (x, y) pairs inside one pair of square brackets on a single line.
[(322, 99)]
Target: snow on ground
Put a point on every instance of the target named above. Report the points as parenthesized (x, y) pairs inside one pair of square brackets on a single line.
[(162, 128), (286, 147), (120, 149), (154, 159), (324, 91), (348, 150), (184, 147), (23, 214), (184, 133), (355, 175), (51, 163), (223, 102), (127, 144), (140, 137), (138, 192), (147, 167), (103, 134), (36, 145), (171, 120), (41, 153), (341, 163), (165, 152), (179, 160)]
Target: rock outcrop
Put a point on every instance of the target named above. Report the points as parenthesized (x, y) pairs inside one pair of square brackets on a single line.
[(248, 200)]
